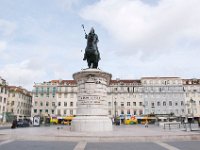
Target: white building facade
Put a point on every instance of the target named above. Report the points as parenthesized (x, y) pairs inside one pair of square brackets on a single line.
[(149, 95), (57, 97), (19, 102), (192, 97), (163, 95), (3, 98), (125, 97)]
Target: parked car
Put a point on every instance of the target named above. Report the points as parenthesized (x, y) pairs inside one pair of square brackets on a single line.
[(23, 123)]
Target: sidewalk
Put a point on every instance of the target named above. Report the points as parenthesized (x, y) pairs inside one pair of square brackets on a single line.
[(123, 133), (5, 125)]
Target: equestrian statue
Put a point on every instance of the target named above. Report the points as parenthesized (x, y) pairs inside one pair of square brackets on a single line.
[(92, 54)]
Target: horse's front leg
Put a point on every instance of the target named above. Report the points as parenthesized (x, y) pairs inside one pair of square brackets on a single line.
[(91, 65)]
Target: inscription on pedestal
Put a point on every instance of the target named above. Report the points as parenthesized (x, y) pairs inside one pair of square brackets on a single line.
[(91, 100)]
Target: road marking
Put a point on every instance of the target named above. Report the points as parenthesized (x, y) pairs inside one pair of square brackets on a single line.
[(6, 142), (167, 146), (80, 146)]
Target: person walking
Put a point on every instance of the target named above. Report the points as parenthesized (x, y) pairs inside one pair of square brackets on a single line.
[(14, 123), (146, 124)]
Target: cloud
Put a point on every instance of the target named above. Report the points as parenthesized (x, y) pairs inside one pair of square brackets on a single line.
[(67, 4), (3, 45), (151, 30), (6, 27), (22, 74)]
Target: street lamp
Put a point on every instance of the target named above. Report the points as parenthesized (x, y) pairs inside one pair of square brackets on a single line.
[(144, 109), (115, 103)]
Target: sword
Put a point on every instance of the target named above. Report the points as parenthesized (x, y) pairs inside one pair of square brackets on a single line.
[(83, 28)]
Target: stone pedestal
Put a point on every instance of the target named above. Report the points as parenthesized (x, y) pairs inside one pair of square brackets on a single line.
[(92, 112)]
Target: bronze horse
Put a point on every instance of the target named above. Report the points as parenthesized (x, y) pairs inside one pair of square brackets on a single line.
[(92, 54)]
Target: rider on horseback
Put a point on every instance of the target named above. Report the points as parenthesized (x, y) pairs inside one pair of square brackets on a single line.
[(92, 40)]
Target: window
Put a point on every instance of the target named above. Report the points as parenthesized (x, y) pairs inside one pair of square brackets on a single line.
[(164, 103), (41, 103), (4, 100), (122, 104), (182, 103), (71, 111), (170, 103), (176, 104), (128, 104), (47, 103), (59, 103), (54, 91), (128, 111), (46, 110), (47, 92), (140, 103), (134, 103), (134, 112), (35, 110), (36, 103), (40, 111), (65, 112), (122, 111), (158, 103), (2, 90), (109, 103), (52, 111), (71, 104), (65, 104)]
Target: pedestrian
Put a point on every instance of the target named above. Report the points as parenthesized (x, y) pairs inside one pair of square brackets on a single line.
[(146, 124), (199, 122), (14, 123)]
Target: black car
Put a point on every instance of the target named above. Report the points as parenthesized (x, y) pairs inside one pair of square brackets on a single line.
[(23, 123)]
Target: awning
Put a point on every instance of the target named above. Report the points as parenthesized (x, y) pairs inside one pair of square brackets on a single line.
[(68, 118), (162, 117)]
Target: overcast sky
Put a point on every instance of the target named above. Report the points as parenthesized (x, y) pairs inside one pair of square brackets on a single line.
[(41, 40)]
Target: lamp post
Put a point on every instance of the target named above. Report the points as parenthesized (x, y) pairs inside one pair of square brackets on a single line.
[(115, 103), (144, 109)]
